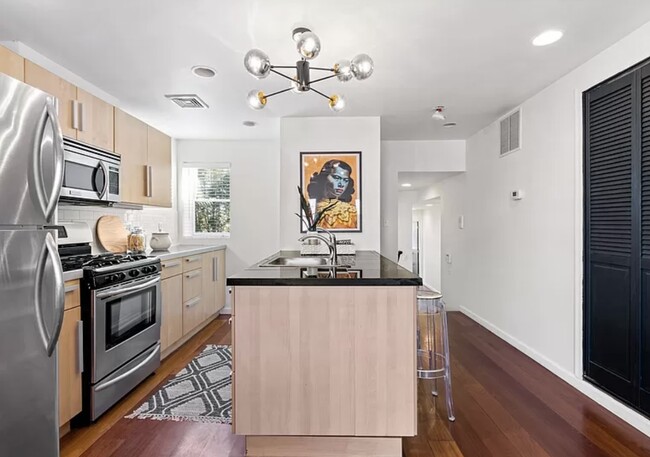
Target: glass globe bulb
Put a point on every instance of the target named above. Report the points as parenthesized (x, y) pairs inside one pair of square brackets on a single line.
[(343, 70), (256, 99), (337, 103), (362, 66), (257, 63), (308, 45)]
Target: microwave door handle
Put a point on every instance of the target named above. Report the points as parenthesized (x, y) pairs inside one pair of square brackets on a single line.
[(126, 290), (102, 165)]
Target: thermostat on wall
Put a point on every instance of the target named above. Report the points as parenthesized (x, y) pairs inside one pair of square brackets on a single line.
[(517, 194)]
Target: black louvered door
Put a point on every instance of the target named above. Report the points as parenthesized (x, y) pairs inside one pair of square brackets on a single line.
[(644, 400), (612, 237)]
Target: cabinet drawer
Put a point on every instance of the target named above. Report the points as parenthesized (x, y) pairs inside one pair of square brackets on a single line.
[(192, 262), (192, 284), (72, 294), (171, 267)]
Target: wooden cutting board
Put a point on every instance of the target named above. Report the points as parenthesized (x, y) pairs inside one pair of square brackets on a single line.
[(112, 234)]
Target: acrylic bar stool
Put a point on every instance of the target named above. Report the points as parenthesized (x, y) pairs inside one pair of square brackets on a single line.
[(433, 343)]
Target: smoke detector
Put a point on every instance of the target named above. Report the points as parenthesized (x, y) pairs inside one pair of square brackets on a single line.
[(187, 100)]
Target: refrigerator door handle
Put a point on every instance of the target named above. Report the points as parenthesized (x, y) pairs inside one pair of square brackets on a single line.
[(50, 251), (48, 202)]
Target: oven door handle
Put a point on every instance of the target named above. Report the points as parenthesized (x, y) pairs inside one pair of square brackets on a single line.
[(126, 290), (128, 373)]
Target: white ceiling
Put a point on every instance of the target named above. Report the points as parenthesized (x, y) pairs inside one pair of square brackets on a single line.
[(421, 179), (474, 56)]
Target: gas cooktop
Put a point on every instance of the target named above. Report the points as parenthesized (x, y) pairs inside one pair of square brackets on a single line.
[(98, 261)]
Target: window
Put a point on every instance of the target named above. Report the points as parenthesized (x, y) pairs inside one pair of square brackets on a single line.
[(205, 200)]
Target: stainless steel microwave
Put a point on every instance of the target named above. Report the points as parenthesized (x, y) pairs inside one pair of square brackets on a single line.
[(90, 173)]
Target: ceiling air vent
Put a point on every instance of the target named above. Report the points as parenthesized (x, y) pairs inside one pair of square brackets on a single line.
[(511, 133), (187, 100)]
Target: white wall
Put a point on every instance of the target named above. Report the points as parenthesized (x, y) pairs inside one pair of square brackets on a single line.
[(404, 156), (254, 195), (431, 245), (324, 134), (405, 201), (517, 266)]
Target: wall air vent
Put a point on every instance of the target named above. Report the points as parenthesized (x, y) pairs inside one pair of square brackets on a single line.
[(187, 100), (511, 133)]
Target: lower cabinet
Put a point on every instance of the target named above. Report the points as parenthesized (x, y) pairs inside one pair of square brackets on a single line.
[(70, 355), (193, 290), (172, 311)]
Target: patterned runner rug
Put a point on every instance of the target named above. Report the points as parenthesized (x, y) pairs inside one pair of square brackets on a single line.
[(201, 392)]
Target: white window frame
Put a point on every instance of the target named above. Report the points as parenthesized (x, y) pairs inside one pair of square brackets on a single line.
[(182, 201)]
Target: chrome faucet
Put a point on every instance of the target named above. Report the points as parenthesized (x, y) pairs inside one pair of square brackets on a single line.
[(331, 244), (332, 238)]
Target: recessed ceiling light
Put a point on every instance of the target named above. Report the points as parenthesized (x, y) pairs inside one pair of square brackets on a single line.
[(249, 123), (429, 204), (449, 124), (406, 184), (204, 71), (547, 37)]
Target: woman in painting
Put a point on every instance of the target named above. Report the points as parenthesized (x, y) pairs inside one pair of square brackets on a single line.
[(333, 187)]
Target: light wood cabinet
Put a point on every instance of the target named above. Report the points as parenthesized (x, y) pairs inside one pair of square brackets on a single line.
[(172, 311), (12, 64), (214, 282), (95, 121), (159, 159), (65, 93), (336, 361), (70, 355), (131, 144)]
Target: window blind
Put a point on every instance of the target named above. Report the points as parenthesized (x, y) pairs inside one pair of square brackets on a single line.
[(206, 200)]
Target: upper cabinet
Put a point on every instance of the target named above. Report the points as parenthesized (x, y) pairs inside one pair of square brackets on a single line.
[(12, 64), (82, 116), (95, 121), (65, 92), (146, 161), (159, 159)]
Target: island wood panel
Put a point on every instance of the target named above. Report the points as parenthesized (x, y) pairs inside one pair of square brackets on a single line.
[(294, 355), (318, 446), (12, 64), (385, 365)]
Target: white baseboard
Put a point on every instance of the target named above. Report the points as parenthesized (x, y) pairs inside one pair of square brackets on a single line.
[(226, 309), (630, 416)]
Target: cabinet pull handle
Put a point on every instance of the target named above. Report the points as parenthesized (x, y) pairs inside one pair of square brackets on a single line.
[(229, 290), (75, 114), (230, 320), (80, 347), (214, 269), (171, 264), (192, 302), (192, 259), (82, 116), (231, 373), (193, 274), (71, 288), (149, 187)]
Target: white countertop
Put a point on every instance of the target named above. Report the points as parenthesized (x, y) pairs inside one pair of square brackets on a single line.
[(178, 250)]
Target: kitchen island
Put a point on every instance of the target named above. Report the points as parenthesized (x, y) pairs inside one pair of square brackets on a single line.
[(325, 365)]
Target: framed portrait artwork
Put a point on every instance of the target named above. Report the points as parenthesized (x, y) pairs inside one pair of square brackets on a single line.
[(331, 182)]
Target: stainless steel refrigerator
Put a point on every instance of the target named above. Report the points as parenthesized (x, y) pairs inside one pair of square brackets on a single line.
[(31, 278)]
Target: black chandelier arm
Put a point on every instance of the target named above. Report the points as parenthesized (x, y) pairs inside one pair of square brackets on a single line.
[(323, 69), (283, 66), (278, 92), (320, 93), (322, 79), (283, 75)]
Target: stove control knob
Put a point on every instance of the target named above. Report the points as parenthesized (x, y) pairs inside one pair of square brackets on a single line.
[(120, 276), (134, 273), (111, 278)]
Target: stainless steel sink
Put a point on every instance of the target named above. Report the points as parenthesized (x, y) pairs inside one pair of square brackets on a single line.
[(297, 262)]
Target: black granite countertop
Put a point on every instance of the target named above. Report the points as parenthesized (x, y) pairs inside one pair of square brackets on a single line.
[(366, 268)]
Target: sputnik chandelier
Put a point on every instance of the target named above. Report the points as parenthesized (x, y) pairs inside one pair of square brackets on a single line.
[(257, 63)]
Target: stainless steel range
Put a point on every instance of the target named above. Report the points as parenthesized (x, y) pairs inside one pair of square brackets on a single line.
[(121, 307)]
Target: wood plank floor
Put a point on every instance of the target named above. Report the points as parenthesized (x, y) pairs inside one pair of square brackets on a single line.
[(506, 405)]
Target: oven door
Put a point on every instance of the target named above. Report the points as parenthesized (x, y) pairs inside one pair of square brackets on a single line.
[(125, 322), (84, 177)]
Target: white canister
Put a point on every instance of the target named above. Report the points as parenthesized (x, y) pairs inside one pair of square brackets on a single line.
[(160, 241)]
